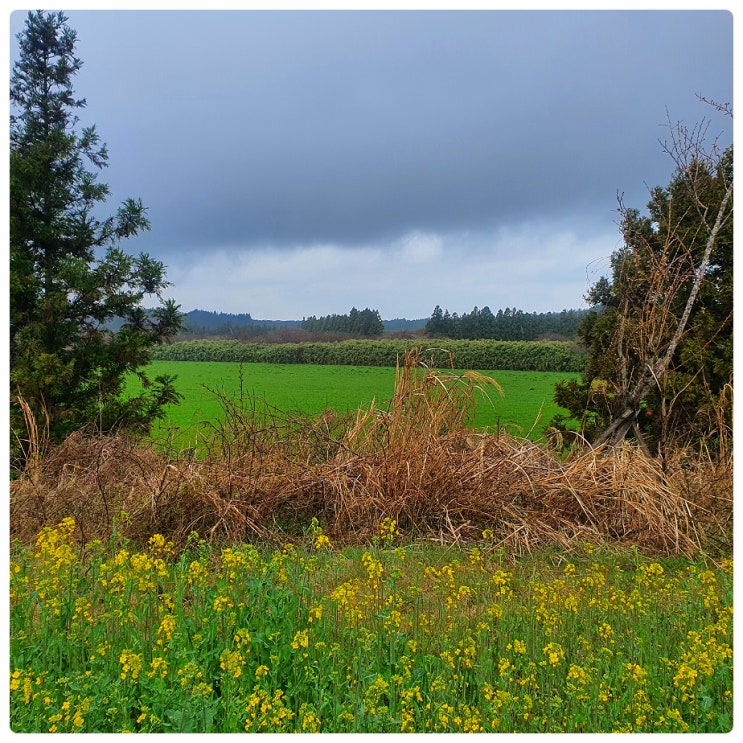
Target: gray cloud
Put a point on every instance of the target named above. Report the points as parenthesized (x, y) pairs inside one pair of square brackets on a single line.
[(252, 132)]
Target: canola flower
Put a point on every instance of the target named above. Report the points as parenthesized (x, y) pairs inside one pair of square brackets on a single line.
[(304, 639)]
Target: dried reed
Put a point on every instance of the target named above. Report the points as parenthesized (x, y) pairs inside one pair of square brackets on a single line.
[(264, 475)]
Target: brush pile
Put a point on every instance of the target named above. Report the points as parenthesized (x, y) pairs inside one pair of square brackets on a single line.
[(264, 475)]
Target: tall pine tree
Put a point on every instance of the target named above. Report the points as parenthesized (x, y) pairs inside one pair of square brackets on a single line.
[(68, 275)]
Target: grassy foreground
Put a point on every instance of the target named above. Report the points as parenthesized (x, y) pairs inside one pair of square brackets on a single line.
[(382, 638)]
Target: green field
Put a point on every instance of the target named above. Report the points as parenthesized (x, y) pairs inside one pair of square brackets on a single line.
[(309, 388)]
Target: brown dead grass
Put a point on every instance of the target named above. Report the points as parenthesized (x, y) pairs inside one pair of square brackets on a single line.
[(265, 475)]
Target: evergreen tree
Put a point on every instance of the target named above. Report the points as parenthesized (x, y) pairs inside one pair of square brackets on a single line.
[(508, 324), (364, 323), (436, 326), (68, 275), (660, 337)]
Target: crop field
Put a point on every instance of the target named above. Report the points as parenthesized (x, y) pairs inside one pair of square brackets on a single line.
[(387, 637), (310, 388)]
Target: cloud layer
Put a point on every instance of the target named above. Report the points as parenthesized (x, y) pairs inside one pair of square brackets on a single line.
[(300, 162)]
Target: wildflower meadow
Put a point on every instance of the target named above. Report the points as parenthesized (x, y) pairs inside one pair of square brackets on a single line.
[(390, 637)]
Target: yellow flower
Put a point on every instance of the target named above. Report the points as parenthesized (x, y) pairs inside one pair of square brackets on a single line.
[(15, 680), (373, 567), (242, 639), (131, 663), (322, 541), (605, 631), (189, 674), (686, 677), (221, 603), (375, 694), (301, 639), (165, 630), (160, 546), (265, 712), (310, 722), (636, 673), (388, 530), (197, 574), (475, 556), (578, 674), (502, 580), (231, 662), (158, 667), (554, 653)]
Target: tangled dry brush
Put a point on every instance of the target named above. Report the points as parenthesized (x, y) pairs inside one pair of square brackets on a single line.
[(264, 476)]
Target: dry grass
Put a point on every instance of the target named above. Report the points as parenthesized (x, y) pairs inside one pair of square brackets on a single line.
[(265, 475)]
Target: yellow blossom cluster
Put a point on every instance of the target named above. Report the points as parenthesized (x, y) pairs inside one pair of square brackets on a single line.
[(382, 639)]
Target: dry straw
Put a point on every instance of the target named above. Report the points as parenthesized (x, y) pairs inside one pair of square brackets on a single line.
[(265, 475)]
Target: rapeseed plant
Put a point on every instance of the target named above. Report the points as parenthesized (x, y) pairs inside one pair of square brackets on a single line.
[(391, 639)]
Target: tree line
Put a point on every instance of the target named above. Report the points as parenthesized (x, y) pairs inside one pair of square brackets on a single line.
[(505, 325), (200, 323), (365, 323)]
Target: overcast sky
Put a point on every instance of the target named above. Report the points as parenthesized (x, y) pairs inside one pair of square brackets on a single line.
[(300, 162)]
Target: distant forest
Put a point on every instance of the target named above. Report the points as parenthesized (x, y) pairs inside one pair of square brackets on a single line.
[(509, 324), (202, 323), (505, 325), (365, 323), (242, 326), (218, 320)]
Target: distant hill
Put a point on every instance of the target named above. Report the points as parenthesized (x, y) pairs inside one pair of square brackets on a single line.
[(213, 322), (400, 323), (206, 320)]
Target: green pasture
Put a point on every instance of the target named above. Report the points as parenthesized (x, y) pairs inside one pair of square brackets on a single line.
[(308, 388)]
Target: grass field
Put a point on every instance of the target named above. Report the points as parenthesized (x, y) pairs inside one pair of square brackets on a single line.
[(385, 638), (312, 389)]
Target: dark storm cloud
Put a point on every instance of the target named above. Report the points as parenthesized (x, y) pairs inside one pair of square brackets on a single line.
[(255, 130), (253, 126)]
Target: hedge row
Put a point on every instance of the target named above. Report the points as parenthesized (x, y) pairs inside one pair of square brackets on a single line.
[(467, 354)]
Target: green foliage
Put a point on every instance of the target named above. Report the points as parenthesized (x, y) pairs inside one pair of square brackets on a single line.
[(395, 637), (640, 309), (482, 354), (506, 325), (365, 323), (68, 276)]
